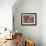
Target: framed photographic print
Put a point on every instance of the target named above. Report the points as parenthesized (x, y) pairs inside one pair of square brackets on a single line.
[(28, 18)]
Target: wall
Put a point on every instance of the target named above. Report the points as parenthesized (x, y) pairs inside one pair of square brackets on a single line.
[(43, 22), (6, 16), (29, 32), (25, 6), (6, 13)]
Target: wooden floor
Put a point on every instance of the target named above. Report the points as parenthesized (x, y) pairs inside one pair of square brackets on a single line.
[(9, 43)]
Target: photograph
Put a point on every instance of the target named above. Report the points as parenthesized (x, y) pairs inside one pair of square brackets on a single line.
[(28, 18)]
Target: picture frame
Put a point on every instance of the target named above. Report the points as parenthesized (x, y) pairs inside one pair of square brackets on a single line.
[(29, 19)]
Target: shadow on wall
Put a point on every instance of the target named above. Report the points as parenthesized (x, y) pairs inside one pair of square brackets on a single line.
[(15, 6)]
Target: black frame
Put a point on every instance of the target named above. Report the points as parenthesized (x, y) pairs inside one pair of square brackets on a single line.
[(28, 14)]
